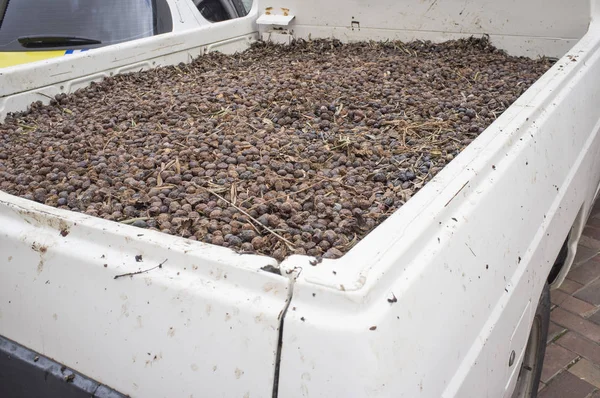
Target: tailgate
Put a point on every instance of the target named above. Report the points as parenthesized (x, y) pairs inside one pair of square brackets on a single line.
[(204, 322)]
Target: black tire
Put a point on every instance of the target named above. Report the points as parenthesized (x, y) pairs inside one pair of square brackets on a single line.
[(533, 360)]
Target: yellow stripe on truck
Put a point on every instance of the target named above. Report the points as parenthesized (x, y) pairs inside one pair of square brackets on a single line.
[(17, 58)]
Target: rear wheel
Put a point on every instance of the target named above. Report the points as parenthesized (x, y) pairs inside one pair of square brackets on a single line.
[(531, 368)]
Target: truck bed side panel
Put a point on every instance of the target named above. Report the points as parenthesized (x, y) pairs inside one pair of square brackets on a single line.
[(434, 300)]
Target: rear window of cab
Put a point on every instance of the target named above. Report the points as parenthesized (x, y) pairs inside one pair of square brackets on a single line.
[(27, 25)]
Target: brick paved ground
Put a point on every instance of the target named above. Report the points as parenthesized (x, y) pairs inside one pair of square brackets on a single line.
[(572, 364)]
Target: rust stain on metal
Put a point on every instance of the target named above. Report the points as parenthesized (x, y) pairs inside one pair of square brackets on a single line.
[(238, 373), (42, 218), (268, 287), (39, 248)]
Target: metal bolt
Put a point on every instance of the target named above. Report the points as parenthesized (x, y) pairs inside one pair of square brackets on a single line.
[(511, 359)]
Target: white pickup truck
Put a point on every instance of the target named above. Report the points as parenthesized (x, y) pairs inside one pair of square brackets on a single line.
[(447, 298)]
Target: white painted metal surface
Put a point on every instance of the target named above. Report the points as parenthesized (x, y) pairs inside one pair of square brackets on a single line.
[(185, 15), (531, 27), (429, 304), (277, 20), (463, 262), (206, 324)]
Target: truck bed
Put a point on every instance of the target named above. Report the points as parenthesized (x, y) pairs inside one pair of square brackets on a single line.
[(467, 255), (278, 150)]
